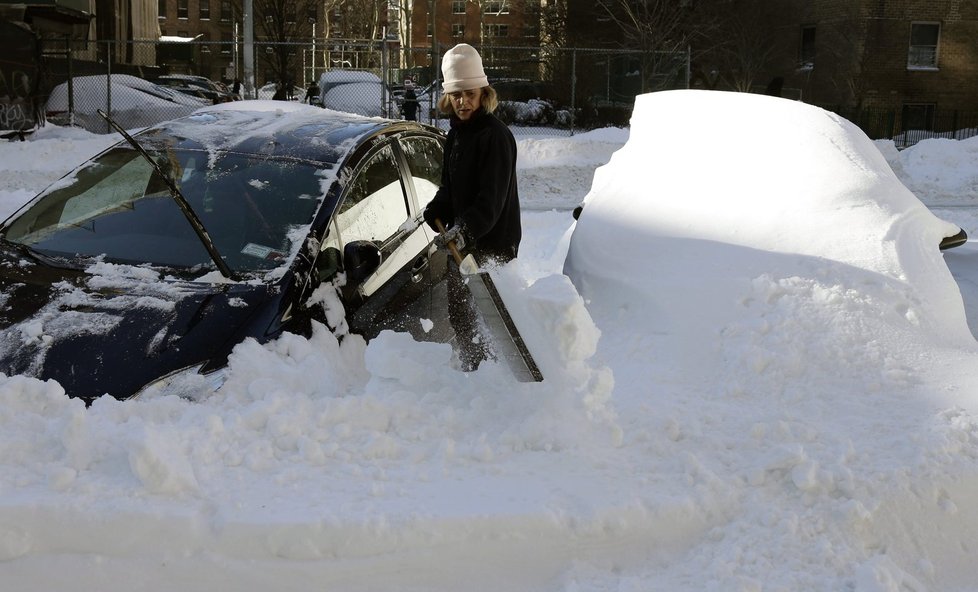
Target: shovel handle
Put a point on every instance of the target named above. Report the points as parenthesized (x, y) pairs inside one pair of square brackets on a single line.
[(451, 243)]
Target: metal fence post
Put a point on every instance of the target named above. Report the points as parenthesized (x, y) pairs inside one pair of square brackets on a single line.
[(108, 85), (689, 57), (71, 83), (385, 75), (573, 89)]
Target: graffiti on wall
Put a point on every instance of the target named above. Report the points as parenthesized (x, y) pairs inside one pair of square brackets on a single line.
[(18, 78)]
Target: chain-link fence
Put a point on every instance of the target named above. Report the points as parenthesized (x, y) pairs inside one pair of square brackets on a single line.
[(541, 89), (561, 90)]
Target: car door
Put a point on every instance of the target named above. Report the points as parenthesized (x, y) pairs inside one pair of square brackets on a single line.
[(423, 159), (376, 210)]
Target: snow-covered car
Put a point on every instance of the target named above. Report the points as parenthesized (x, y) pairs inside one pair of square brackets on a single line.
[(132, 102), (211, 90), (353, 91), (147, 264), (798, 175)]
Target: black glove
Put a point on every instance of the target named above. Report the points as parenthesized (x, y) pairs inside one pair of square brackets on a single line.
[(455, 233)]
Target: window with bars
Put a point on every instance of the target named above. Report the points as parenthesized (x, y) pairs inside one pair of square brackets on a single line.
[(924, 39), (496, 30), (495, 7)]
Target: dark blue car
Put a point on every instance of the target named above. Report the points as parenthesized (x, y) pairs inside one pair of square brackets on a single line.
[(145, 266)]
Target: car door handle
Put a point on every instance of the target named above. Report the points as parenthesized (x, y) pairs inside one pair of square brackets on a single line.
[(419, 269)]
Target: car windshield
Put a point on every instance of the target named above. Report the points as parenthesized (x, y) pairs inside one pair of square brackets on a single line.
[(255, 209)]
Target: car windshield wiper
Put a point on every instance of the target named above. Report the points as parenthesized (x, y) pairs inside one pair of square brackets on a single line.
[(33, 254), (188, 212)]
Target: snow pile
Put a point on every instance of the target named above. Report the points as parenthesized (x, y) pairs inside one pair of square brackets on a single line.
[(763, 383), (553, 176), (939, 168)]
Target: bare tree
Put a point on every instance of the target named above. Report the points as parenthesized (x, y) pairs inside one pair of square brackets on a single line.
[(745, 44), (662, 30), (846, 53), (283, 24)]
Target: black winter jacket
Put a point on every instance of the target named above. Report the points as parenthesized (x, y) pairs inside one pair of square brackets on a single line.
[(478, 185)]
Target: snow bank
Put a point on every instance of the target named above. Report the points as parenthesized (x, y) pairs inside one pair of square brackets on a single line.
[(746, 401)]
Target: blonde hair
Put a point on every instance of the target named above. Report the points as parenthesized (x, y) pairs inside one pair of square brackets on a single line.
[(490, 100)]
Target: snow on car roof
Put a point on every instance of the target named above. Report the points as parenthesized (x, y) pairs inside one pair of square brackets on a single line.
[(273, 128)]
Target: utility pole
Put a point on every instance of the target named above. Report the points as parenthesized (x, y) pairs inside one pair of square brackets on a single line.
[(249, 49), (434, 40)]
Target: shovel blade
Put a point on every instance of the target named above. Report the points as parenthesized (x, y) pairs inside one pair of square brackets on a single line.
[(468, 266), (507, 342)]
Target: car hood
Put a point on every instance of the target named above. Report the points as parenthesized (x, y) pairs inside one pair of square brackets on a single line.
[(112, 329)]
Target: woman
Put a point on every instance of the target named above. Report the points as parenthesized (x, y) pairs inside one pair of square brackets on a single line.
[(478, 200)]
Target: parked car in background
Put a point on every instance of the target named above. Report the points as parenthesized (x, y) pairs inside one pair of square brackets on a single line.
[(267, 92), (142, 269), (353, 91), (214, 91), (131, 101)]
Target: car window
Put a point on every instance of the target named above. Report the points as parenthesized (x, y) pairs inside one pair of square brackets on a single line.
[(375, 206), (256, 210), (424, 157)]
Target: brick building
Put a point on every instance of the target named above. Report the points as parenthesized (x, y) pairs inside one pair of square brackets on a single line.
[(909, 56), (910, 60), (492, 26)]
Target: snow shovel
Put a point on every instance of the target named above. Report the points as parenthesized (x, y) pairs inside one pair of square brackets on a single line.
[(506, 339)]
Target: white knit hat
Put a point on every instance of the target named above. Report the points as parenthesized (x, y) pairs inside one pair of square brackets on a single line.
[(461, 69)]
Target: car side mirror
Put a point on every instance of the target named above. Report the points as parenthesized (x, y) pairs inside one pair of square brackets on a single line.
[(360, 259), (949, 242), (328, 264)]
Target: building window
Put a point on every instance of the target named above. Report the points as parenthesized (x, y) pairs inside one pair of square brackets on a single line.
[(458, 30), (182, 10), (495, 30), (923, 45), (225, 11), (495, 7), (162, 9), (290, 13), (806, 53), (458, 6), (226, 42), (205, 10), (429, 30), (205, 48)]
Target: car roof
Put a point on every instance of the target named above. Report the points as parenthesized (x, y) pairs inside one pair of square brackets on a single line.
[(184, 77), (277, 129)]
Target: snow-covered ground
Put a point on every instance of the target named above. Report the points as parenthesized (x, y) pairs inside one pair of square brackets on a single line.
[(743, 407)]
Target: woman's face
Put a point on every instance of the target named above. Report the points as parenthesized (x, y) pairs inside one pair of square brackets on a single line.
[(466, 102)]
